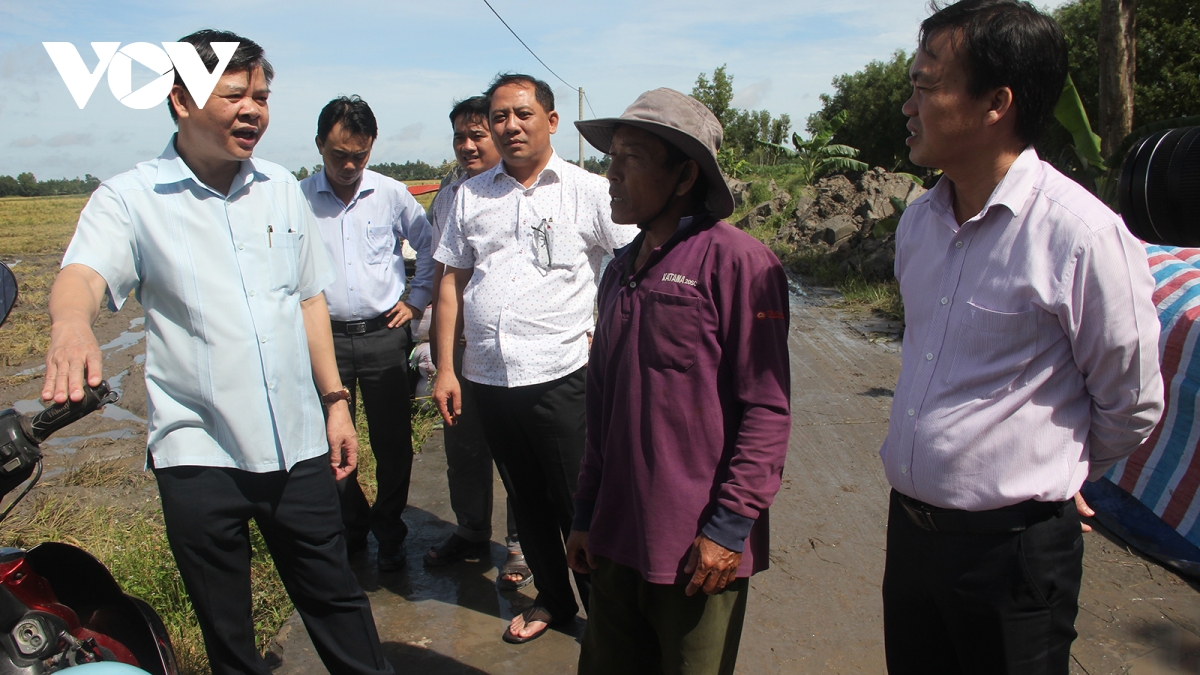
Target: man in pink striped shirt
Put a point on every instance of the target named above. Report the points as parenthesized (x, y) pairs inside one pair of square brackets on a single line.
[(1030, 357)]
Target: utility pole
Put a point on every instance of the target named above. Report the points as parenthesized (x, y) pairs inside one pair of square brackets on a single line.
[(581, 135)]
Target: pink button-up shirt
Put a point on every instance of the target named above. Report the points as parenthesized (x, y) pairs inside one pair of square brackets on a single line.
[(1031, 346)]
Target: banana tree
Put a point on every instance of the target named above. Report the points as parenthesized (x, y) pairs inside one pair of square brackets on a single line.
[(818, 156)]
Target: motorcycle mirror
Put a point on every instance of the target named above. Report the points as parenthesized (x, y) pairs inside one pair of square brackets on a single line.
[(8, 292)]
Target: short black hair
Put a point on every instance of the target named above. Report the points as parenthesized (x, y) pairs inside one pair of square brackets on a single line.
[(541, 91), (246, 57), (1007, 43), (354, 114), (475, 108)]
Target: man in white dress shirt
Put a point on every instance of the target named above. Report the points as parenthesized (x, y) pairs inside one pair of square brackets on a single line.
[(468, 458), (364, 218), (1030, 357), (522, 248)]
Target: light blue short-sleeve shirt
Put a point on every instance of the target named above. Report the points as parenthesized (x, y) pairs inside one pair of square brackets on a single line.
[(228, 376)]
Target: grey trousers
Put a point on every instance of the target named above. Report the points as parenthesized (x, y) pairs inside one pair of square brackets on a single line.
[(469, 471)]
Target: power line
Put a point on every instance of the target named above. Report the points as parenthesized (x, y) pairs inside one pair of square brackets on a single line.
[(539, 59)]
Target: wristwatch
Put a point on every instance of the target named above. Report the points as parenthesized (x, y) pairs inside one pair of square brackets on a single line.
[(332, 397)]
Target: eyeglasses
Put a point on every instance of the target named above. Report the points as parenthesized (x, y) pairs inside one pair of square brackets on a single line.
[(543, 242)]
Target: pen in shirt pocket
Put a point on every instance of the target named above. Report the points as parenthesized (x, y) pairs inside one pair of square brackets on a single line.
[(270, 230)]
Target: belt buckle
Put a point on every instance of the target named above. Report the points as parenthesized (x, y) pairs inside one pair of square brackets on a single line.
[(356, 328), (921, 516)]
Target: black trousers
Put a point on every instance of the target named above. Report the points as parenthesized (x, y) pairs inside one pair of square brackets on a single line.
[(956, 602), (536, 434), (469, 470), (207, 511), (378, 364)]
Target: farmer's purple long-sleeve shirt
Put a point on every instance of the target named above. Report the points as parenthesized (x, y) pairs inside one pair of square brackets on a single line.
[(688, 402)]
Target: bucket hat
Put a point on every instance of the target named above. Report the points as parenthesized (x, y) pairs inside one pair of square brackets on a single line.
[(681, 121)]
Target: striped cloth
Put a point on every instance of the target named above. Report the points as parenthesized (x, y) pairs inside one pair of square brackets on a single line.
[(1164, 473)]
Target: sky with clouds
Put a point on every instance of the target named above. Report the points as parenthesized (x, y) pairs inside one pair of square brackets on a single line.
[(412, 60)]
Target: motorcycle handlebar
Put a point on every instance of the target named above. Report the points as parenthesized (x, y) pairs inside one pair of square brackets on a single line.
[(59, 415)]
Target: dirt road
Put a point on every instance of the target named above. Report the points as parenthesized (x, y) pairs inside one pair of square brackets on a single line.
[(817, 610)]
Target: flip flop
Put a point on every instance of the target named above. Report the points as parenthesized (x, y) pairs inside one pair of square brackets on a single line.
[(528, 614), (514, 564)]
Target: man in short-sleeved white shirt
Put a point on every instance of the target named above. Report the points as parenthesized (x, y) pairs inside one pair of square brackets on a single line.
[(222, 252), (529, 236)]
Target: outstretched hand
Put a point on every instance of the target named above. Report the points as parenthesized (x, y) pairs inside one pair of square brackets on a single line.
[(73, 351)]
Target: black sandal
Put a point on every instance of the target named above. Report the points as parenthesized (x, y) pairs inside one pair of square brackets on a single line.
[(456, 548), (514, 565)]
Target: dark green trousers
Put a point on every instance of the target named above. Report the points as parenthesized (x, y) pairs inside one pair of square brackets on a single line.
[(636, 627)]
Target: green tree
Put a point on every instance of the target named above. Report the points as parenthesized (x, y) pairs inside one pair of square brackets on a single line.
[(301, 174), (27, 185), (819, 156), (9, 187), (716, 94), (743, 129), (872, 98), (597, 165), (1167, 82)]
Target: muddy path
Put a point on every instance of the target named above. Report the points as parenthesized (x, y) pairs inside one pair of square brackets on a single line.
[(817, 610)]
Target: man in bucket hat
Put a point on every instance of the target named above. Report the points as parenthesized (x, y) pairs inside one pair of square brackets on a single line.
[(687, 404)]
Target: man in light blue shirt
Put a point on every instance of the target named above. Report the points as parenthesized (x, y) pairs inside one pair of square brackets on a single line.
[(364, 218), (221, 251)]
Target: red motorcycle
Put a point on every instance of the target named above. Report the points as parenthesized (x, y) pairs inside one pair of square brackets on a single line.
[(59, 606)]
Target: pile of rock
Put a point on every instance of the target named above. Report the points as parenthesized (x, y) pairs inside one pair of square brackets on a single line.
[(756, 216), (839, 218)]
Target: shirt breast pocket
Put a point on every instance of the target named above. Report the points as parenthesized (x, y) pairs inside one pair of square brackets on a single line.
[(284, 255), (380, 244), (567, 245), (668, 330), (992, 350)]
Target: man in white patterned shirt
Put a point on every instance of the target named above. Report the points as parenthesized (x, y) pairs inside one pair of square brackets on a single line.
[(363, 218), (522, 249), (468, 458)]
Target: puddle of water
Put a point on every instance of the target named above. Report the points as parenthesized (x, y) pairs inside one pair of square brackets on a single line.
[(124, 341), (140, 321), (62, 444), (114, 412), (30, 407), (31, 371), (140, 358), (114, 382)]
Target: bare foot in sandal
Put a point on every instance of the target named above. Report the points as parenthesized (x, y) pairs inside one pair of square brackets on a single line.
[(528, 625), (515, 573)]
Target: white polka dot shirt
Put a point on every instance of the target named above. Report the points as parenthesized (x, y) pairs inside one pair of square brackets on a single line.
[(536, 253)]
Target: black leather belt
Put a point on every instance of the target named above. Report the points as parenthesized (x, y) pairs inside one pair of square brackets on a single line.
[(1015, 518), (359, 327)]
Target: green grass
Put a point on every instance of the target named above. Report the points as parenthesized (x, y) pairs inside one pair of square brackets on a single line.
[(36, 231)]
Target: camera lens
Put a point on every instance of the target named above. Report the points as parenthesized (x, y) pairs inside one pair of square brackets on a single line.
[(1159, 192)]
